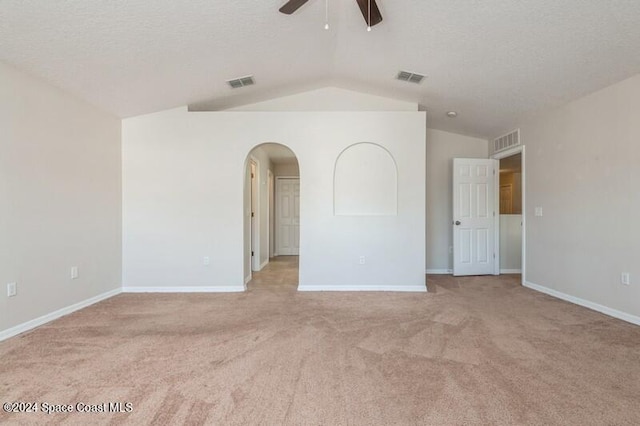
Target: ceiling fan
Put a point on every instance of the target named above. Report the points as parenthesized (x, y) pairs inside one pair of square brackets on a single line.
[(369, 10)]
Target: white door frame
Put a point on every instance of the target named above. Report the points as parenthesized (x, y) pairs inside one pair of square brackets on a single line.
[(498, 156), (255, 218), (276, 212), (271, 182), (246, 222)]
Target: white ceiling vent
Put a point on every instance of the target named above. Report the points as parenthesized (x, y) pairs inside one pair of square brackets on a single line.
[(410, 77), (507, 141), (237, 83)]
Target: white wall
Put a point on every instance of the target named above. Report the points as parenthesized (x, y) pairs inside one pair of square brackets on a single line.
[(365, 182), (330, 99), (60, 199), (182, 194), (442, 148), (583, 170)]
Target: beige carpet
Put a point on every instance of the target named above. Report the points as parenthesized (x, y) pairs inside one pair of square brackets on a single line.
[(478, 350)]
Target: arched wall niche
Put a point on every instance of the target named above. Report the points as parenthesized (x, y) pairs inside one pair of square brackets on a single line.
[(365, 181)]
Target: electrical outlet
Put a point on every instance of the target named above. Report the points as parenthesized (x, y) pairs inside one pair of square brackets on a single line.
[(538, 211), (363, 260), (206, 261), (74, 272), (625, 278), (12, 289)]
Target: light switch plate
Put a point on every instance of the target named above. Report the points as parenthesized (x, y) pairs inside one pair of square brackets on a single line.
[(625, 278), (12, 289)]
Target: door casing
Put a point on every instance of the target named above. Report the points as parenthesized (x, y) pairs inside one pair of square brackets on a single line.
[(520, 149)]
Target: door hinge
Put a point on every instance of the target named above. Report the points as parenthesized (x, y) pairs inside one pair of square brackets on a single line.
[(253, 176), (494, 255), (252, 214), (494, 214), (252, 255)]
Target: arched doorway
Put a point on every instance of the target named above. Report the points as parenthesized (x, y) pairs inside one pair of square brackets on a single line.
[(271, 211)]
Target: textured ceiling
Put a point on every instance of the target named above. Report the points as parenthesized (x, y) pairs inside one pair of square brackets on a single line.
[(493, 61)]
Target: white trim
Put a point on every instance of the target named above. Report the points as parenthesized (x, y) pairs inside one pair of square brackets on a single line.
[(247, 279), (439, 271), (271, 205), (26, 326), (496, 217), (510, 271), (399, 288), (520, 149), (263, 264), (191, 289), (254, 230), (585, 303)]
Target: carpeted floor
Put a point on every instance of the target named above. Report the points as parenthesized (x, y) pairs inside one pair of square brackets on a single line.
[(476, 350)]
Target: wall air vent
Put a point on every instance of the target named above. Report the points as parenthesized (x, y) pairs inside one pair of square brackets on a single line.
[(237, 83), (410, 77), (507, 141)]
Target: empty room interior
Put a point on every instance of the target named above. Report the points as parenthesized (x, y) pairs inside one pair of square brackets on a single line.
[(340, 212)]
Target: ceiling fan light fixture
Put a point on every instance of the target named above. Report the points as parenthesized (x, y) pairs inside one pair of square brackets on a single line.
[(369, 8)]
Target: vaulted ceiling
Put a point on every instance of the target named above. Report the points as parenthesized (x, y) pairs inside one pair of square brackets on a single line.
[(493, 61)]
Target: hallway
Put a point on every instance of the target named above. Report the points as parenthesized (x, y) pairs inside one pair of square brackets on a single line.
[(281, 273)]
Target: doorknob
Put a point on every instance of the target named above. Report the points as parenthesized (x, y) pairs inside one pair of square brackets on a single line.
[(457, 222)]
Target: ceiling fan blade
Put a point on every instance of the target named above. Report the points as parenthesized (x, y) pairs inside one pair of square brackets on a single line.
[(291, 6), (376, 16)]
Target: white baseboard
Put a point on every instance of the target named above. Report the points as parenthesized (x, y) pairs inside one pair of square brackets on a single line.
[(263, 264), (585, 303), (401, 288), (510, 271), (193, 289), (26, 326), (439, 271)]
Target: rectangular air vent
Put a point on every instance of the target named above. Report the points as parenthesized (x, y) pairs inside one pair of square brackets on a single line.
[(236, 83), (410, 77), (507, 141)]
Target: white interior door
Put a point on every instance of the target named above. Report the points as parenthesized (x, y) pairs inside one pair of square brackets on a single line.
[(287, 216), (474, 183)]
